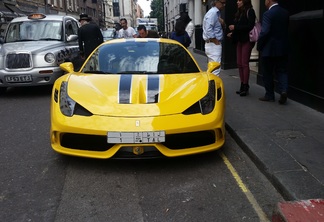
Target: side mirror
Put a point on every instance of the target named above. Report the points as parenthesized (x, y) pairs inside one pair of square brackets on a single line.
[(71, 38), (67, 67), (1, 40), (212, 66)]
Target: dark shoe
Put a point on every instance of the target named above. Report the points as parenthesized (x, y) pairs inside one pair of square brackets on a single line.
[(245, 90), (240, 90), (265, 99), (283, 98)]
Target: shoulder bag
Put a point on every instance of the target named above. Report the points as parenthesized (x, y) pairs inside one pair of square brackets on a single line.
[(255, 32)]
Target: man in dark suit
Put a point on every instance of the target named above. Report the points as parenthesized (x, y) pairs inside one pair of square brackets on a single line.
[(273, 47), (90, 36)]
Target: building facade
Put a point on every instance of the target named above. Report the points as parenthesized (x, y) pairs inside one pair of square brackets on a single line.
[(103, 12), (125, 9)]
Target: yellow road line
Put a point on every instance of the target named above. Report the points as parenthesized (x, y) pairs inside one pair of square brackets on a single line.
[(262, 216)]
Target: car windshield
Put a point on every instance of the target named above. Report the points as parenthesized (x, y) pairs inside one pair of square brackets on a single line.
[(140, 58), (34, 31)]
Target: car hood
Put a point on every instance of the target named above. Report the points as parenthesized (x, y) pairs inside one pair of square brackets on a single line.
[(30, 46), (137, 95)]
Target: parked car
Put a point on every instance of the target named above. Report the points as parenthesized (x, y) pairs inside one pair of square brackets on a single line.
[(108, 33), (33, 48), (138, 98)]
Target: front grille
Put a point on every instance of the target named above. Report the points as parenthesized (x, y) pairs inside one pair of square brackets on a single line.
[(18, 61), (173, 141), (85, 142)]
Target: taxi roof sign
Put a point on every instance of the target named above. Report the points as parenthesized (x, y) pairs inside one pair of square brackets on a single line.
[(36, 16)]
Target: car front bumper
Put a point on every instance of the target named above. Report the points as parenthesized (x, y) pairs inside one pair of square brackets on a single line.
[(184, 135)]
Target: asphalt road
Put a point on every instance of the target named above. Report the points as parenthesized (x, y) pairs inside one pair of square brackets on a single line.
[(37, 184)]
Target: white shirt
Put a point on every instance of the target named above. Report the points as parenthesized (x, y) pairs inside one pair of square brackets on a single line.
[(126, 33), (212, 28)]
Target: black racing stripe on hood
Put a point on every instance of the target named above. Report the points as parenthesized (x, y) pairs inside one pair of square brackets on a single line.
[(125, 84), (153, 88)]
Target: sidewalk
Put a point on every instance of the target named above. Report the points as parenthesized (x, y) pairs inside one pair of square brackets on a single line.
[(286, 142)]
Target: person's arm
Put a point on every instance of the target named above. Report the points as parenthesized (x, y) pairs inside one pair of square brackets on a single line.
[(188, 39), (80, 42), (265, 30), (133, 32), (100, 36), (190, 29)]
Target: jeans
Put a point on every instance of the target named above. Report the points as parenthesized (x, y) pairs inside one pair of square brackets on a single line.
[(271, 67), (243, 54), (214, 54)]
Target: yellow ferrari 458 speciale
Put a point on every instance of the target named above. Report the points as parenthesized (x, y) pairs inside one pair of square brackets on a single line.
[(138, 98)]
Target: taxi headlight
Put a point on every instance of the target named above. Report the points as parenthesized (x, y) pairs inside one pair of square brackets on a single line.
[(66, 103), (49, 57)]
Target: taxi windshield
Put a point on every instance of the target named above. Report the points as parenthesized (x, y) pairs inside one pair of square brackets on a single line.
[(34, 31)]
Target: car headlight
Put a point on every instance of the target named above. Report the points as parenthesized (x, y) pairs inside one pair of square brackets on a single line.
[(49, 57), (207, 103), (66, 103)]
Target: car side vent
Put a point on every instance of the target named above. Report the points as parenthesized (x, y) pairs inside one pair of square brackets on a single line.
[(195, 108), (219, 93), (56, 95), (81, 111)]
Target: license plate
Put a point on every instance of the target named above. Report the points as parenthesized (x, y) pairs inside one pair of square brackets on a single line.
[(21, 78), (136, 137)]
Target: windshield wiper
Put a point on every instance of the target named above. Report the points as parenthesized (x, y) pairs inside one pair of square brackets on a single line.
[(49, 39), (23, 40)]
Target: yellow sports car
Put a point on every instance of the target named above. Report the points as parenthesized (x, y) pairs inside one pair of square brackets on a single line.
[(138, 98)]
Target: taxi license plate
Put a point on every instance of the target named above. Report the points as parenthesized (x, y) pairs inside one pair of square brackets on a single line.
[(21, 78), (136, 137)]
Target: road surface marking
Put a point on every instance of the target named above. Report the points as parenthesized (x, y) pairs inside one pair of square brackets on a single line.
[(245, 190)]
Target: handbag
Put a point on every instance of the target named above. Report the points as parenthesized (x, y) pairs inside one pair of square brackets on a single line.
[(255, 32)]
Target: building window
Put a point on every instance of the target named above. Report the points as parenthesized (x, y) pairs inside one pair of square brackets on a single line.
[(116, 8)]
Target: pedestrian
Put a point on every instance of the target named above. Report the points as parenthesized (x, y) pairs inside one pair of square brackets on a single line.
[(143, 33), (190, 27), (244, 21), (125, 31), (89, 35), (179, 34), (117, 27), (213, 26), (273, 48)]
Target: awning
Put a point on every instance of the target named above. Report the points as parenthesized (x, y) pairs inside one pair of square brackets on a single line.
[(5, 12), (15, 9), (27, 9)]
